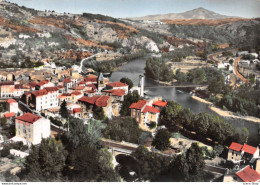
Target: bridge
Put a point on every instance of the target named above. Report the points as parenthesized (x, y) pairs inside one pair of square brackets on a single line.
[(119, 147), (171, 86)]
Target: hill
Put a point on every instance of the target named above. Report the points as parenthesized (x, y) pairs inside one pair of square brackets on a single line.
[(198, 13)]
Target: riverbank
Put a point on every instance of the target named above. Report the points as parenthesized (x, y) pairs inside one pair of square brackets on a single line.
[(226, 114)]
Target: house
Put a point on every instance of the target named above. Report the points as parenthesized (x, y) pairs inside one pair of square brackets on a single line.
[(45, 98), (248, 174), (67, 83), (242, 153), (144, 113), (76, 112), (160, 104), (32, 128), (117, 85), (9, 115), (7, 89), (70, 97), (89, 103), (117, 94), (12, 106)]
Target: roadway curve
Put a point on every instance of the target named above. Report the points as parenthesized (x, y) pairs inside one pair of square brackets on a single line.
[(83, 60), (239, 75)]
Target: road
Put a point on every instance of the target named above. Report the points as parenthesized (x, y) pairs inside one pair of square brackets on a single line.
[(238, 74), (83, 60)]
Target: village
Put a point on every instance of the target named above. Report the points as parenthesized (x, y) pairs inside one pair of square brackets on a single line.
[(32, 99)]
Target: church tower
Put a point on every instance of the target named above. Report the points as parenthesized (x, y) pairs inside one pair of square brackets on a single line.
[(101, 82)]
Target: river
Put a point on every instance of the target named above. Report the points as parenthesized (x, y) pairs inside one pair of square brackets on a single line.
[(136, 67)]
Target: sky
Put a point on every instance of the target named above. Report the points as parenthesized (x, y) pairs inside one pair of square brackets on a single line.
[(137, 8)]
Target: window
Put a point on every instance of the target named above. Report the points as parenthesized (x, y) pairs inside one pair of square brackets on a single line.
[(232, 153)]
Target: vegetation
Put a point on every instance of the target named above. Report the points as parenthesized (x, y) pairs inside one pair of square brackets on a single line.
[(64, 112), (3, 107), (157, 69), (205, 125), (152, 166), (123, 129), (162, 139), (180, 53), (46, 162), (55, 121), (98, 113), (128, 82), (189, 166), (128, 100), (199, 76), (77, 156), (109, 66)]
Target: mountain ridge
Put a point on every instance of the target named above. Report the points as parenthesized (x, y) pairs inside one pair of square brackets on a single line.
[(197, 13)]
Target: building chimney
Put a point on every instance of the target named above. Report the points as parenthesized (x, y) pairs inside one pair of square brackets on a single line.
[(141, 85)]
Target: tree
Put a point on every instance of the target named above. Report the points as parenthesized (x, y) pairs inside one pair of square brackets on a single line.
[(123, 129), (64, 110), (231, 61), (128, 100), (128, 82), (162, 139), (216, 86), (195, 160), (170, 113), (98, 113), (90, 164), (189, 166), (149, 164), (152, 125), (46, 162)]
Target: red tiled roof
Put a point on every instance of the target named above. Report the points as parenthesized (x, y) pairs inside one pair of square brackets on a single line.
[(91, 79), (249, 149), (235, 146), (7, 83), (160, 103), (67, 80), (138, 105), (102, 101), (76, 93), (89, 91), (79, 88), (117, 84), (77, 110), (248, 174), (50, 89), (9, 114), (32, 84), (18, 86), (81, 82), (66, 94), (43, 82), (40, 92), (90, 100), (60, 87), (150, 109), (116, 92), (10, 100), (29, 117), (91, 85)]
